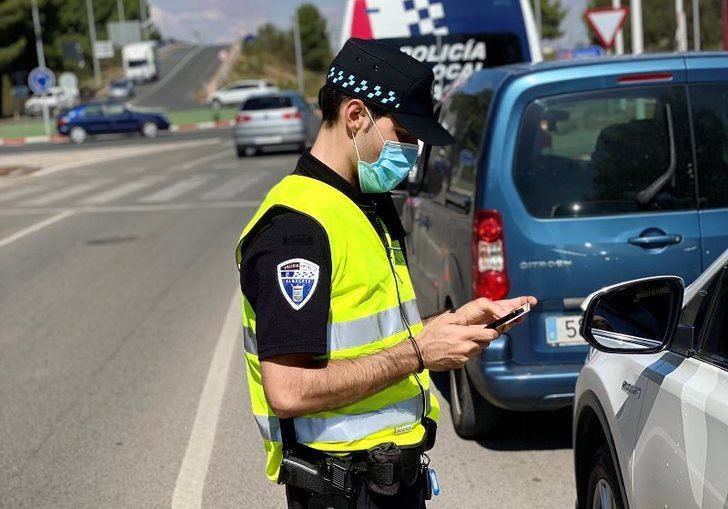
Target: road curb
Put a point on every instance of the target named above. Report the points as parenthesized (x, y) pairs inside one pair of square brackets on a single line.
[(55, 138)]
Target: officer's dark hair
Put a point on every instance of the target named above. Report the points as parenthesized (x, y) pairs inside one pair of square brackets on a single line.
[(331, 99)]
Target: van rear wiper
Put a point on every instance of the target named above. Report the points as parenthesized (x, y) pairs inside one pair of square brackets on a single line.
[(647, 194)]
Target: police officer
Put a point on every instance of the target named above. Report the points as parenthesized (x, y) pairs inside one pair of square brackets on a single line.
[(337, 354)]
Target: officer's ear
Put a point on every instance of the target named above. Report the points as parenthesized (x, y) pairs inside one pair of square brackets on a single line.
[(354, 115)]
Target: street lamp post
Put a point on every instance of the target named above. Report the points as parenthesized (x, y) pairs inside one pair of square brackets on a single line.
[(681, 31), (41, 61), (120, 8), (299, 51), (92, 35), (635, 10), (619, 39), (696, 25)]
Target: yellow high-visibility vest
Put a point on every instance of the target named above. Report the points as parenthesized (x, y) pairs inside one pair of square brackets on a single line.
[(372, 302)]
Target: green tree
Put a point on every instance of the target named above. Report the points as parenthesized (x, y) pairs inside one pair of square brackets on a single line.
[(314, 40), (552, 14), (658, 24)]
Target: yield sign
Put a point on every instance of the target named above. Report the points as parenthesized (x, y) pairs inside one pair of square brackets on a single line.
[(606, 22)]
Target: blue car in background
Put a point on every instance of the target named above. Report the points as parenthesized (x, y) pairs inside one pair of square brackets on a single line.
[(94, 118), (565, 177)]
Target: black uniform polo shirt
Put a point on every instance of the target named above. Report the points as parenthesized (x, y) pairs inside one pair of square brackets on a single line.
[(282, 235)]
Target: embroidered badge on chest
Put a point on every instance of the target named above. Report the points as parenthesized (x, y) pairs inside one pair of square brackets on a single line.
[(297, 279)]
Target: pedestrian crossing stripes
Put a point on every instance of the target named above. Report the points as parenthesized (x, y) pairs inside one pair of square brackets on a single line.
[(120, 191), (140, 189), (61, 194)]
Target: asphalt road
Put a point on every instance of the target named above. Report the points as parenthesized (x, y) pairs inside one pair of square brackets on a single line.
[(121, 373), (184, 69)]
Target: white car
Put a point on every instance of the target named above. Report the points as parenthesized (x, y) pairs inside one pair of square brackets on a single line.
[(57, 98), (238, 92), (651, 403)]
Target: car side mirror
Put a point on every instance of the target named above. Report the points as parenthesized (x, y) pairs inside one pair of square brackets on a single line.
[(638, 316)]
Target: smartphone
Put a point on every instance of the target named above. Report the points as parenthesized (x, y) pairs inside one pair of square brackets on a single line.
[(513, 315)]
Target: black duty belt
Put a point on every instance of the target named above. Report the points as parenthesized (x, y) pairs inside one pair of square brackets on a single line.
[(386, 469)]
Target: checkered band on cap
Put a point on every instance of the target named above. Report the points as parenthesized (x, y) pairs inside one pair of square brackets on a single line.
[(363, 88)]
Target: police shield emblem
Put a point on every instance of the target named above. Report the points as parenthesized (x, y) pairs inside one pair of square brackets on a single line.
[(298, 279)]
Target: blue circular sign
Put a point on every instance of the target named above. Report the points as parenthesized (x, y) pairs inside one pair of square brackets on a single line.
[(41, 80)]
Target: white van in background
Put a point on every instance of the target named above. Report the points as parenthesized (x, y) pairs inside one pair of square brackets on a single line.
[(139, 60)]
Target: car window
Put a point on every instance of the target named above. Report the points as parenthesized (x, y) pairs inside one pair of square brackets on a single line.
[(714, 345), (604, 153), (245, 86), (91, 111), (113, 109), (709, 105), (466, 119), (267, 103)]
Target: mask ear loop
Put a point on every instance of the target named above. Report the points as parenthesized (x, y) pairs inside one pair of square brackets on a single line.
[(353, 138), (375, 124)]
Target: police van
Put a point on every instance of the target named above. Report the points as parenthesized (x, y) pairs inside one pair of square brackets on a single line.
[(457, 37), (565, 177)]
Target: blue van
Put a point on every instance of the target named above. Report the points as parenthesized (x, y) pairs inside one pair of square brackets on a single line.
[(565, 177)]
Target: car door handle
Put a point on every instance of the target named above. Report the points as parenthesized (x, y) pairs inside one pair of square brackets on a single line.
[(655, 241)]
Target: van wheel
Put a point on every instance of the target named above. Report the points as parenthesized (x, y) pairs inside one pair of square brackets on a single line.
[(472, 416), (77, 134), (150, 130), (602, 491)]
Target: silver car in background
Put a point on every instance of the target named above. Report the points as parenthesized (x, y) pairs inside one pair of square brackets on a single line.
[(275, 120)]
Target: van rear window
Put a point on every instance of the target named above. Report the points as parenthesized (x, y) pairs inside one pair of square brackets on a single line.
[(267, 103), (604, 153)]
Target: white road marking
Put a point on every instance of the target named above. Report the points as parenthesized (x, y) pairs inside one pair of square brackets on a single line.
[(122, 190), (63, 193), (232, 187), (193, 471), (177, 189), (35, 227), (189, 56), (161, 207), (20, 192), (202, 160)]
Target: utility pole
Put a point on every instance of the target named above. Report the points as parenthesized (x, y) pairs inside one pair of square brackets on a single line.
[(299, 54), (143, 18), (619, 39), (120, 7), (539, 21), (681, 30), (696, 25), (41, 61), (724, 16), (635, 9), (92, 35)]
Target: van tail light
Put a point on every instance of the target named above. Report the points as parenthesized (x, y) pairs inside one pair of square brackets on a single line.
[(292, 115), (490, 279), (241, 118)]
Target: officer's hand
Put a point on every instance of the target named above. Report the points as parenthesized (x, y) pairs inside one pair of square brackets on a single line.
[(484, 311), (447, 342)]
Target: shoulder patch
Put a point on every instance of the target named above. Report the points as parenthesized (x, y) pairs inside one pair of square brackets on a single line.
[(297, 279)]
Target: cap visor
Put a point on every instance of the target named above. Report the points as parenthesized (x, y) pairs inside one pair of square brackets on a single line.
[(425, 128)]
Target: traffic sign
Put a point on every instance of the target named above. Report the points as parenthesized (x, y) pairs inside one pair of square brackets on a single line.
[(606, 23), (68, 80), (104, 49), (41, 80)]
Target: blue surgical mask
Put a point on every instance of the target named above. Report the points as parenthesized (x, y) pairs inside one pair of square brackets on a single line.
[(395, 161)]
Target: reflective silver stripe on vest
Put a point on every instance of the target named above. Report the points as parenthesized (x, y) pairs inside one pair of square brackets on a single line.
[(342, 335), (249, 341), (269, 426), (343, 428)]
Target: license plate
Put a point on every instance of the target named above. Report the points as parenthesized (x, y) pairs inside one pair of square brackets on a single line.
[(564, 331), (268, 140)]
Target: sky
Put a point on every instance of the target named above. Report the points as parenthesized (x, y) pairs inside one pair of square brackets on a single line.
[(218, 21)]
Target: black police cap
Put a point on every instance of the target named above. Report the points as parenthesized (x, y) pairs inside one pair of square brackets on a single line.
[(384, 76)]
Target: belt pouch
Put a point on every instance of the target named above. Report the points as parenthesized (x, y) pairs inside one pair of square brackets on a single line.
[(384, 469)]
